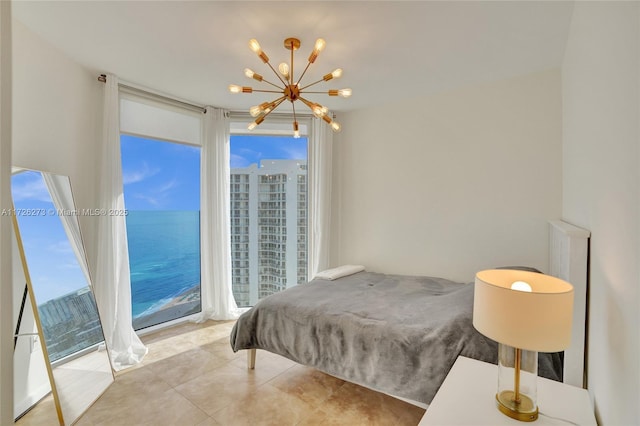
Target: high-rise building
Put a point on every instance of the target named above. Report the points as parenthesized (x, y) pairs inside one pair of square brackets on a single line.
[(70, 323), (78, 307), (268, 228)]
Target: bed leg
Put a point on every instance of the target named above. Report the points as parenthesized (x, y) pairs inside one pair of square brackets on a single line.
[(251, 359)]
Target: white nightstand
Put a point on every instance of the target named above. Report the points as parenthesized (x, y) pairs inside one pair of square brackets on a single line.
[(468, 397)]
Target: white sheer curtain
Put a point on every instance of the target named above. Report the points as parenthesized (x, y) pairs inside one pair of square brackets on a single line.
[(112, 284), (60, 190), (320, 154), (215, 229)]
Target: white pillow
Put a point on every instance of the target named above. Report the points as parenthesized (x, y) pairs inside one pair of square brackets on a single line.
[(339, 272)]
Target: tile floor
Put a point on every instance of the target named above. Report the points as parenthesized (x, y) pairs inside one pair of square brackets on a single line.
[(191, 377)]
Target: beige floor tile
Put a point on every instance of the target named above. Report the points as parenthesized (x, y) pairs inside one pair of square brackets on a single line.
[(218, 388), (205, 335), (84, 420), (168, 408), (167, 348), (308, 384), (185, 366), (156, 408), (356, 405), (268, 365), (167, 343), (128, 391), (266, 406), (209, 422), (222, 348), (191, 377)]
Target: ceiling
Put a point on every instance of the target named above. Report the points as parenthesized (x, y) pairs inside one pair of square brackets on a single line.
[(390, 51)]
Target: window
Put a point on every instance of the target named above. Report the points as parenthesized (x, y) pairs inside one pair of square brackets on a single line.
[(268, 215), (162, 196)]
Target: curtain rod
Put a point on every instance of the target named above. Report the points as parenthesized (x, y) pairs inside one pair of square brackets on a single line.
[(152, 95), (199, 108)]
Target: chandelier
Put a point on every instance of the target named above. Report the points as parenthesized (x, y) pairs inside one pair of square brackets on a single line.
[(290, 89)]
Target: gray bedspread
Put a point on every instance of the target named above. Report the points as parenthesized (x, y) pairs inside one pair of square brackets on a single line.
[(396, 334)]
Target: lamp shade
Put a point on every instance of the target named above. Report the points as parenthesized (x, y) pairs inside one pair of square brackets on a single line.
[(523, 309)]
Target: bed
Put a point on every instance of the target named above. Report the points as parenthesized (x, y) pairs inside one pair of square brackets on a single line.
[(396, 334)]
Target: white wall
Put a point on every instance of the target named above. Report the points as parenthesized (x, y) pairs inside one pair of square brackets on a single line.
[(57, 116), (601, 185), (6, 327), (453, 183), (56, 108)]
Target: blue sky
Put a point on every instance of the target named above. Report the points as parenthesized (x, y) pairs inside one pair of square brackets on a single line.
[(161, 175), (53, 266), (247, 150)]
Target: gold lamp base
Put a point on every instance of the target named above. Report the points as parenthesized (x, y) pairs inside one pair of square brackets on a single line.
[(525, 410)]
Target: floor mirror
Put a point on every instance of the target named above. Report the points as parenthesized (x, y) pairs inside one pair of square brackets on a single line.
[(59, 343)]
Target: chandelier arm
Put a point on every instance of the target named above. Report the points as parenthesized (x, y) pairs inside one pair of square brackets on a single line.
[(279, 100), (309, 85), (323, 92), (303, 73), (306, 102), (273, 84), (277, 104), (277, 74), (293, 105), (291, 73), (268, 91)]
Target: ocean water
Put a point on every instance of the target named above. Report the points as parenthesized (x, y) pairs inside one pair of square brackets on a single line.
[(164, 256)]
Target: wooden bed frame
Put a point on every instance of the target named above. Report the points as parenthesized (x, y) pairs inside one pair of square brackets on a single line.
[(568, 260)]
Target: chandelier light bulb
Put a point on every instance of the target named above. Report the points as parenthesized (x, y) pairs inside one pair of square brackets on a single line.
[(251, 74), (318, 110), (319, 46), (334, 74), (284, 69), (296, 131), (335, 126), (255, 110), (234, 88), (255, 46), (256, 123), (345, 93)]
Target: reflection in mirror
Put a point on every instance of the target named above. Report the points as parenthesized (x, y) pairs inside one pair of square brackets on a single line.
[(58, 283)]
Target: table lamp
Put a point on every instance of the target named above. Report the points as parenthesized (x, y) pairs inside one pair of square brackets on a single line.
[(526, 313)]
